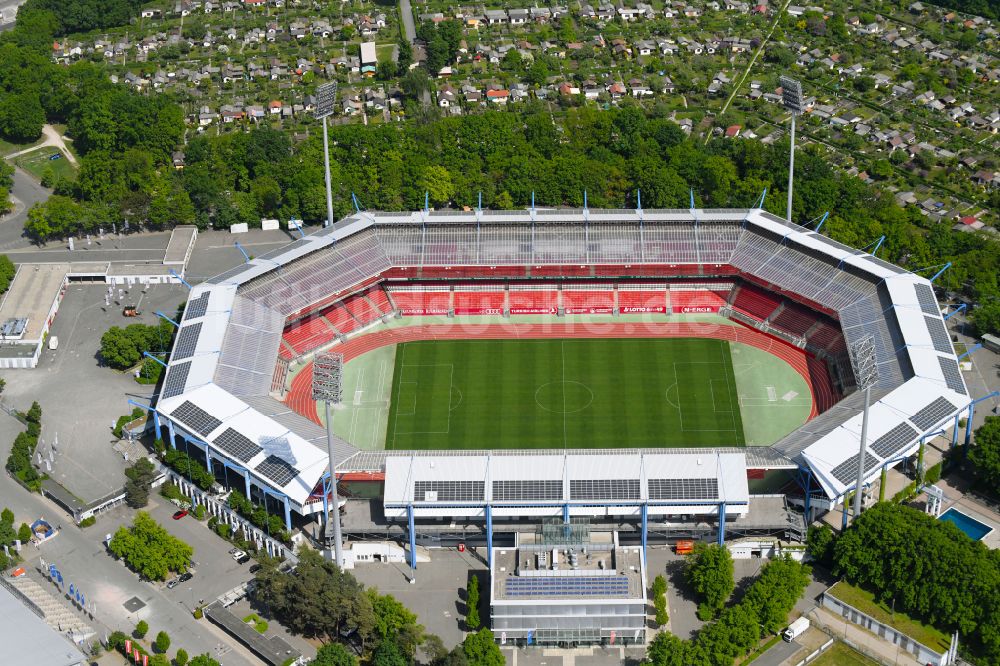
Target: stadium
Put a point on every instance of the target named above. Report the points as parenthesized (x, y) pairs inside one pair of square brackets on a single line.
[(670, 372)]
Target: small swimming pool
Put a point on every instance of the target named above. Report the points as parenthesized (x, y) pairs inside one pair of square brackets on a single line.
[(975, 529)]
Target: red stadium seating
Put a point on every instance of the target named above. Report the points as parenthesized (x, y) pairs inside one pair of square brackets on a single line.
[(480, 302), (378, 298), (362, 310), (697, 300), (534, 301), (645, 300), (588, 302), (755, 302), (308, 334), (794, 319), (421, 302), (340, 318)]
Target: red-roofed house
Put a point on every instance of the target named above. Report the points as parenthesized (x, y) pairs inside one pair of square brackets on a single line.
[(733, 131)]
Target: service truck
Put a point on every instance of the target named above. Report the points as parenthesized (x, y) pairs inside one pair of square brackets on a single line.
[(795, 629)]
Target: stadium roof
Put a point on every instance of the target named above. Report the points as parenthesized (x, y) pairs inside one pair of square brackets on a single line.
[(239, 315), (29, 640)]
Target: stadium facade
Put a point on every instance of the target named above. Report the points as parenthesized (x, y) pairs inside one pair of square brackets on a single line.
[(223, 389)]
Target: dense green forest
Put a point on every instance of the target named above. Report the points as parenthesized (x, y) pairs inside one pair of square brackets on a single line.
[(84, 15), (935, 573), (126, 140), (985, 8)]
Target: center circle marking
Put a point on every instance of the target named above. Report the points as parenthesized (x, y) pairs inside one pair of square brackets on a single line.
[(564, 397)]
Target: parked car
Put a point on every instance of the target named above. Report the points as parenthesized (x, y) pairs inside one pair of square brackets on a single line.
[(243, 558), (254, 568), (186, 576), (171, 584), (56, 156), (233, 551), (238, 554), (180, 514)]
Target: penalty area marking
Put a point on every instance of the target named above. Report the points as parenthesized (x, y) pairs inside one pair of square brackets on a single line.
[(451, 390)]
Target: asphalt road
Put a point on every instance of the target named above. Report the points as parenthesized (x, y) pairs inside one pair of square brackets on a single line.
[(83, 560), (27, 192), (778, 653), (406, 13)]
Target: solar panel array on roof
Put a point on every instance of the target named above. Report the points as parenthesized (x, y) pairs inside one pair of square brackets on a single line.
[(847, 471), (566, 586), (449, 491), (932, 413), (527, 490), (952, 375), (187, 340), (604, 489), (892, 442), (195, 418), (885, 264), (277, 470), (197, 307), (683, 489), (176, 379), (939, 335), (925, 296), (237, 445)]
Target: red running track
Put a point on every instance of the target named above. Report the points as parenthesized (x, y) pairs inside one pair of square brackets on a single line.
[(299, 397)]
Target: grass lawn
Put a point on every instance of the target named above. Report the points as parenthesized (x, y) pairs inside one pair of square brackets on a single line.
[(574, 393), (37, 161), (839, 654), (6, 147), (865, 602), (384, 52)]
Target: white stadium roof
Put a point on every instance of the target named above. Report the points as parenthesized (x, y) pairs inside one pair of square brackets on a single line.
[(224, 355)]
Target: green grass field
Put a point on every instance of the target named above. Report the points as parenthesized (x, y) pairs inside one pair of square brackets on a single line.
[(37, 162), (839, 654), (574, 393)]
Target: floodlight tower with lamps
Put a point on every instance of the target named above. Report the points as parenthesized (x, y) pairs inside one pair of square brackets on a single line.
[(866, 373), (327, 387), (791, 97), (326, 94)]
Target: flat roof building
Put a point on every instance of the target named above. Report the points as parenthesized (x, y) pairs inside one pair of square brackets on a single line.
[(585, 593), (28, 640)]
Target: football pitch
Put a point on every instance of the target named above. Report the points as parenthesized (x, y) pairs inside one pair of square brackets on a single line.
[(569, 393)]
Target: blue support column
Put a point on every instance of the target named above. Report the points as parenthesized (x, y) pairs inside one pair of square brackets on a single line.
[(843, 520), (413, 537), (246, 482), (954, 434), (808, 497), (489, 536), (288, 513), (645, 528), (326, 500), (968, 424), (722, 523), (566, 514), (156, 425), (171, 435)]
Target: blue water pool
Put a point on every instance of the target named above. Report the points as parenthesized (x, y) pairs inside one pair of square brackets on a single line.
[(975, 529)]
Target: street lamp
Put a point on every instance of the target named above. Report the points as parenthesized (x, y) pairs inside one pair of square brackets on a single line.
[(791, 97), (327, 387), (865, 364), (326, 94)]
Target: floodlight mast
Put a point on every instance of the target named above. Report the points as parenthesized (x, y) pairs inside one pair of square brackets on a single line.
[(326, 94), (791, 97), (866, 373), (327, 386)]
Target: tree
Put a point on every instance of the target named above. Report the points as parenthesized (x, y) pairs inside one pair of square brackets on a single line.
[(481, 649), (118, 349), (181, 658), (819, 543), (203, 660), (162, 642), (334, 654), (387, 653), (438, 184), (986, 317), (34, 413), (141, 628), (7, 516), (710, 573), (140, 478), (21, 117), (24, 533), (985, 453), (472, 604), (150, 550), (660, 599)]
